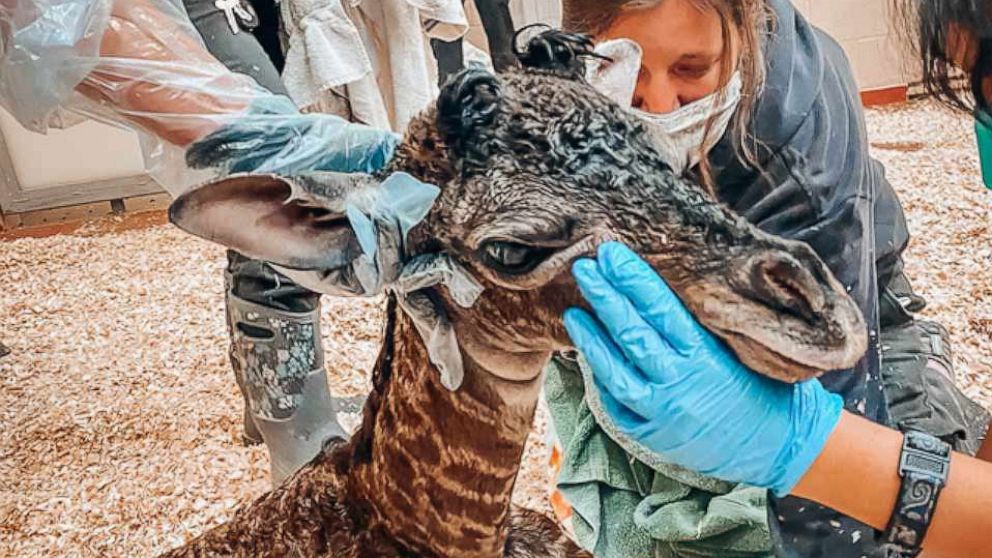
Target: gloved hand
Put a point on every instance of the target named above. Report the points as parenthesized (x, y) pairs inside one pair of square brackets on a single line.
[(678, 391), (274, 137)]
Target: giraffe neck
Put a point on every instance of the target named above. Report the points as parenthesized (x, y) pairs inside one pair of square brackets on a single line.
[(435, 469)]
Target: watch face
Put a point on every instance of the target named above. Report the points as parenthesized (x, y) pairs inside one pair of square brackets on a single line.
[(925, 457), (923, 466)]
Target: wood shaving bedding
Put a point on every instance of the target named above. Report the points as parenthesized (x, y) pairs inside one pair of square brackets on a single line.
[(120, 420)]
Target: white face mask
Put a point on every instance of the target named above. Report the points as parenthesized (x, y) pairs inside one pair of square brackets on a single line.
[(680, 136)]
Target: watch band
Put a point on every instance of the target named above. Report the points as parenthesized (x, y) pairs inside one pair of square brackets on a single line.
[(924, 466)]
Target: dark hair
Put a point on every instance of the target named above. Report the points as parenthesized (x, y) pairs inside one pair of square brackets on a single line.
[(927, 25), (553, 50)]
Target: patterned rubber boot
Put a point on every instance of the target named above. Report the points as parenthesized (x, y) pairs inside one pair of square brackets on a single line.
[(279, 363)]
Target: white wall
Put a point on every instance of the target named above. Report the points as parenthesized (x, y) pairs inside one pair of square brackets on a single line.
[(864, 29), (86, 152)]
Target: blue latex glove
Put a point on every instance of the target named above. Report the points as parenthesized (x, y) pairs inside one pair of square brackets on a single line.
[(274, 137), (678, 391)]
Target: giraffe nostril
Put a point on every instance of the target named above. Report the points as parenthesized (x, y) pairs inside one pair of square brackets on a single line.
[(780, 281)]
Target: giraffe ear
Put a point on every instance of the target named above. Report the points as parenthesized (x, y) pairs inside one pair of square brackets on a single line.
[(296, 222)]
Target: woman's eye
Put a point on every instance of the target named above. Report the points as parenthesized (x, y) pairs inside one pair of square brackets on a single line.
[(512, 257), (692, 72)]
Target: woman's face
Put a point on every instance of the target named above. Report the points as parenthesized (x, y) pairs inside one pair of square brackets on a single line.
[(963, 49), (683, 53)]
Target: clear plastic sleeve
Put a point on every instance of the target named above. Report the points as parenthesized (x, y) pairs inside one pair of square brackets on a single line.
[(141, 64)]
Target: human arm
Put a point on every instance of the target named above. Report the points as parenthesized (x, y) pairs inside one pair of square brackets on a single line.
[(856, 474), (224, 118), (153, 69), (141, 59), (723, 420), (141, 64)]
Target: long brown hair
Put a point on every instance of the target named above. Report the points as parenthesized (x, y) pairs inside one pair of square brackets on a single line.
[(752, 21)]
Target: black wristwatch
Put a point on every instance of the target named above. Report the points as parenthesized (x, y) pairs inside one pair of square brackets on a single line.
[(924, 465)]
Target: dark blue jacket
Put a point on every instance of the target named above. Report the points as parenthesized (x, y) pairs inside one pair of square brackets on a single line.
[(819, 185)]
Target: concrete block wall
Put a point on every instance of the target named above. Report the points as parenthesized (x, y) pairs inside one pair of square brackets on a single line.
[(864, 29)]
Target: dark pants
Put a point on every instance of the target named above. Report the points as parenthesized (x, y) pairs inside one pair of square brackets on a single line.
[(498, 24)]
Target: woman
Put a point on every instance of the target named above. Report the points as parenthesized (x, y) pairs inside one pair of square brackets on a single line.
[(794, 160), (792, 439)]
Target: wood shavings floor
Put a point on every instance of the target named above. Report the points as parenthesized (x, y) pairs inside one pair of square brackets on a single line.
[(120, 420)]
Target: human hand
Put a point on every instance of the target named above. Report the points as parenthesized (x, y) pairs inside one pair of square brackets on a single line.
[(154, 70), (674, 388), (274, 137)]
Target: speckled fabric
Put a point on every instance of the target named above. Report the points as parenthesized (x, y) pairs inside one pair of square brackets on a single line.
[(275, 353)]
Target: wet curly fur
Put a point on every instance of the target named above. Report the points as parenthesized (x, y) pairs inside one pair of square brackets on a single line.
[(324, 510), (430, 473)]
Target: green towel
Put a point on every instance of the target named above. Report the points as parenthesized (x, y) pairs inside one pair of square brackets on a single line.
[(627, 503)]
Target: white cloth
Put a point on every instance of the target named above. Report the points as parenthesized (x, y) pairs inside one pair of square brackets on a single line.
[(374, 52), (687, 134), (616, 74), (381, 217)]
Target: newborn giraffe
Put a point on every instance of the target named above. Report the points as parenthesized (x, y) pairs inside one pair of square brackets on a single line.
[(535, 169)]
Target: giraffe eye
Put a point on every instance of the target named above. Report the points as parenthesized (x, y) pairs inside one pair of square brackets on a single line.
[(512, 258)]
